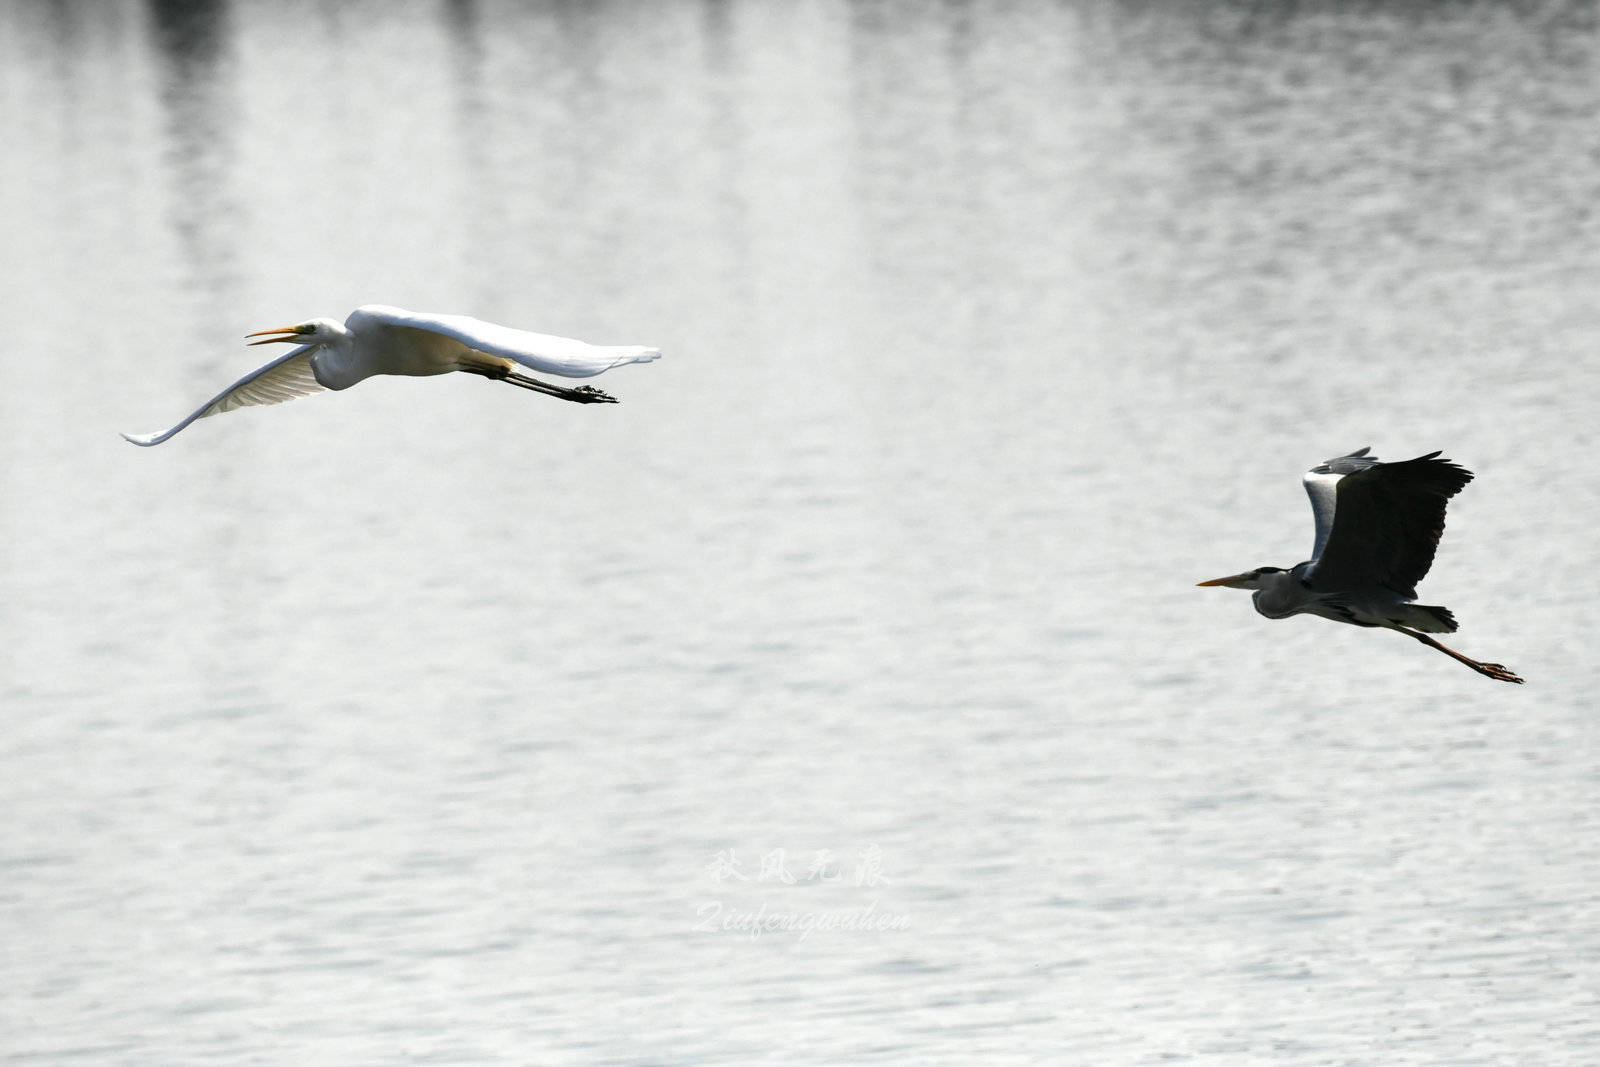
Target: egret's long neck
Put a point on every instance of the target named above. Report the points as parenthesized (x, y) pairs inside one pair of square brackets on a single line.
[(335, 335), (334, 360)]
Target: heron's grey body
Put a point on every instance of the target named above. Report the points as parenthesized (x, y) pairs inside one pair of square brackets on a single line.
[(1377, 529), (1377, 526), (1292, 592)]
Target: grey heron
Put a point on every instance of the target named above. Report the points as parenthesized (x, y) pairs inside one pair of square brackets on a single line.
[(376, 339), (1378, 525)]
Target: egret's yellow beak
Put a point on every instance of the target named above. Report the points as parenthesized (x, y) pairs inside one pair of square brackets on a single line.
[(1232, 579), (289, 333)]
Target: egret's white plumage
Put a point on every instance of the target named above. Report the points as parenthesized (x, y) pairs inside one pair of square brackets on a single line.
[(377, 339), (1377, 528)]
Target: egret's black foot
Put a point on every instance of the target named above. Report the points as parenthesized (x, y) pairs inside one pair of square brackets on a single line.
[(588, 394)]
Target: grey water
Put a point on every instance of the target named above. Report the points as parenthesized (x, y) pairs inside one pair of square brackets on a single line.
[(843, 694)]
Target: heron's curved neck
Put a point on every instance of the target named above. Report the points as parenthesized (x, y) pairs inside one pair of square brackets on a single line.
[(1281, 594)]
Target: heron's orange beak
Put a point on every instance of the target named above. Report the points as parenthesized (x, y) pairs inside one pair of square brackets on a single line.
[(1232, 579), (290, 333)]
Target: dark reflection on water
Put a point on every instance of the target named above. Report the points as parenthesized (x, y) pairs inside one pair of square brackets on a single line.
[(194, 40), (463, 22)]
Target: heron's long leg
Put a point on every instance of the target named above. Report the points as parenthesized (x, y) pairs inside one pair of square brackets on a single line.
[(1493, 670)]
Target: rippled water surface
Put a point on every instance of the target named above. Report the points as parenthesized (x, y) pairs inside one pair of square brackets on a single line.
[(842, 695)]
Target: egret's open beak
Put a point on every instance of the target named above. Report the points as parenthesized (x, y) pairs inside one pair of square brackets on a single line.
[(1231, 580), (290, 333)]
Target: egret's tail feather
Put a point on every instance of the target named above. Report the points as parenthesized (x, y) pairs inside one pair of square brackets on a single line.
[(574, 359)]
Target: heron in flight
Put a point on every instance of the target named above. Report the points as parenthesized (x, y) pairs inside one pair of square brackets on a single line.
[(1378, 525), (386, 340)]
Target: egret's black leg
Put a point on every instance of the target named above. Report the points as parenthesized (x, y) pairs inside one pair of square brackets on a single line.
[(1493, 670), (583, 394)]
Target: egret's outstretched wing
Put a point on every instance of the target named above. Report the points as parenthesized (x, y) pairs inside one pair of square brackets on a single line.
[(285, 378), (1322, 484), (1387, 525), (538, 351)]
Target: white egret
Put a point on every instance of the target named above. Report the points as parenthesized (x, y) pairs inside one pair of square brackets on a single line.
[(1378, 525), (386, 340)]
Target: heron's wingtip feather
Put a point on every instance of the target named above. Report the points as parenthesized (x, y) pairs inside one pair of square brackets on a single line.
[(145, 440)]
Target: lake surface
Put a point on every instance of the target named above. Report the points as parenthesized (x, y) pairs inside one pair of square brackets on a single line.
[(843, 694)]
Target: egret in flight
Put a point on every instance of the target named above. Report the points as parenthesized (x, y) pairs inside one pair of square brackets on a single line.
[(385, 340), (1378, 525)]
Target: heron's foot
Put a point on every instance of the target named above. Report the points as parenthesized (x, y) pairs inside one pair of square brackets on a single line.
[(1495, 670)]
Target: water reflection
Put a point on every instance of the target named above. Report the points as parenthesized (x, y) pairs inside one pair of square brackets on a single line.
[(194, 41), (482, 203), (728, 208)]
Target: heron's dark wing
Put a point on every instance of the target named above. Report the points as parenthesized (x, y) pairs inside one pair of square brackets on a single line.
[(285, 378), (1386, 525), (1321, 484)]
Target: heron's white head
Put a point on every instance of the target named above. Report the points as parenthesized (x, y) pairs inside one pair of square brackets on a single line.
[(311, 332), (1248, 580)]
